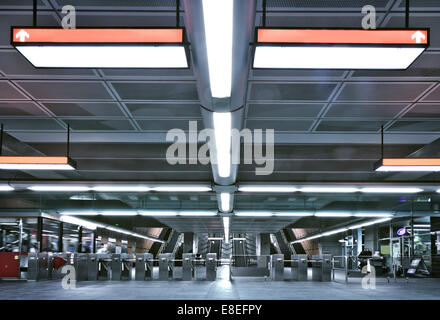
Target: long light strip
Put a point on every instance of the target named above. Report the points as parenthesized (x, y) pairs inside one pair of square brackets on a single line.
[(226, 221), (183, 188), (253, 214), (87, 224), (222, 131), (390, 190), (116, 188), (267, 189), (197, 213), (225, 201), (329, 190), (218, 20), (408, 165), (36, 163), (59, 188), (333, 214), (372, 214), (158, 213), (6, 188)]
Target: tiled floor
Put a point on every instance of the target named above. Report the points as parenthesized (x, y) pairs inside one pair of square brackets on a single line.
[(239, 288)]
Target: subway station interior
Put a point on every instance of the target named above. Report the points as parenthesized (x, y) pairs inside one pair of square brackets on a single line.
[(219, 149)]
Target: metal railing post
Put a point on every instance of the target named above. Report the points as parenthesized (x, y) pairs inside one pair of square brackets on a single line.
[(346, 269)]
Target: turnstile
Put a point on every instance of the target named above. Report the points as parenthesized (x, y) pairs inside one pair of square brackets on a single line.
[(326, 267), (277, 267), (56, 273), (166, 266), (211, 266), (32, 270), (187, 266), (121, 266), (144, 266), (317, 268), (104, 266), (80, 264), (43, 266), (92, 267), (299, 267)]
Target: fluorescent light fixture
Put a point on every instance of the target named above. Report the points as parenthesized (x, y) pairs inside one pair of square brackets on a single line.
[(239, 239), (158, 213), (101, 47), (79, 213), (214, 238), (218, 20), (222, 131), (253, 214), (372, 214), (329, 233), (6, 188), (290, 48), (59, 188), (293, 214), (197, 213), (36, 163), (438, 190), (422, 226), (267, 189), (333, 214), (115, 188), (329, 189), (225, 202), (226, 221), (408, 165), (80, 222), (320, 57), (118, 213), (183, 188), (390, 190), (366, 224)]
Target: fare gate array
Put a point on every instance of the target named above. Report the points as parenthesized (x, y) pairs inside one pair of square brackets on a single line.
[(321, 267)]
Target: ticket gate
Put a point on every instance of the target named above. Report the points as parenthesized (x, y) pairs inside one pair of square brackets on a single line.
[(104, 266), (92, 267), (166, 266), (55, 270), (121, 265), (80, 264), (187, 266), (43, 266), (299, 267), (317, 268), (144, 267), (277, 267), (211, 266), (326, 267), (32, 270)]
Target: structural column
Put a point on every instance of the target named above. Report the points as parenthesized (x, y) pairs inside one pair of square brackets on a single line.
[(435, 246), (263, 249), (188, 242)]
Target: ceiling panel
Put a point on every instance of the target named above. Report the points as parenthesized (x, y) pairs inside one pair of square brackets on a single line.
[(156, 91), (31, 124), (416, 126), (279, 125), (165, 125), (364, 110), (433, 95), (272, 110), (329, 125), (297, 91), (164, 110), (22, 108), (100, 125), (84, 109), (8, 92), (424, 110)]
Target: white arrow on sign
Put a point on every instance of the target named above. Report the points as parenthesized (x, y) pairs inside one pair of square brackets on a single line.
[(22, 35), (418, 36)]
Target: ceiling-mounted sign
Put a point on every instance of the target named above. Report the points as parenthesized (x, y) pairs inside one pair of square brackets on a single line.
[(102, 47), (401, 232), (287, 48), (408, 164)]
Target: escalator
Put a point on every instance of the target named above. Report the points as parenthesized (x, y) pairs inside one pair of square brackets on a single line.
[(239, 253), (215, 246)]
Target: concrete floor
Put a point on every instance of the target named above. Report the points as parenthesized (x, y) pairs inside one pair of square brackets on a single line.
[(239, 288)]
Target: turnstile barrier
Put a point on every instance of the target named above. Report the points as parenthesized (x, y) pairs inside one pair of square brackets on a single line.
[(211, 266), (299, 267), (188, 266), (277, 269), (144, 267), (166, 266)]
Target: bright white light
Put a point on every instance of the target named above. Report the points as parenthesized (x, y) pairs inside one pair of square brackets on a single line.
[(329, 233), (197, 213), (438, 191), (27, 166), (118, 213), (422, 226), (346, 57), (333, 214), (80, 222), (218, 20), (222, 131), (409, 168), (268, 189), (293, 214), (226, 228), (214, 238), (158, 213), (366, 224), (121, 189), (6, 188), (372, 214), (225, 199), (182, 189), (90, 56), (253, 214), (390, 190), (59, 188), (79, 213), (329, 189)]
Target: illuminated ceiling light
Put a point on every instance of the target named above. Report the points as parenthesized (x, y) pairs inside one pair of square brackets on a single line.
[(36, 163), (366, 224), (182, 188), (422, 226), (329, 233), (225, 202), (329, 189), (274, 189), (218, 20), (222, 131), (79, 213), (6, 188), (197, 213), (372, 214), (121, 189), (226, 222), (118, 213), (390, 190), (214, 238), (253, 214), (80, 222), (408, 165), (293, 214), (338, 48), (158, 213), (438, 191), (333, 214), (101, 47), (59, 188)]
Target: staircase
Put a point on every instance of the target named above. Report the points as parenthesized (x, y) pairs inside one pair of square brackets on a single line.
[(203, 244), (283, 244), (226, 252), (251, 244)]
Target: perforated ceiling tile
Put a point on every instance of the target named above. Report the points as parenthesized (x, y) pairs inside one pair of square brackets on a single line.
[(82, 109), (131, 19), (433, 96), (310, 20), (20, 3), (419, 126), (424, 110), (284, 110), (147, 73), (337, 4), (31, 124), (297, 91), (279, 125), (13, 63), (164, 110), (8, 92), (422, 4), (100, 125), (156, 91), (372, 91), (338, 110), (21, 108), (165, 125), (66, 90), (119, 3), (278, 74), (350, 126)]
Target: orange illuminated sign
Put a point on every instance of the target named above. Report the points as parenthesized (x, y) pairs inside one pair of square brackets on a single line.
[(33, 160), (343, 36), (411, 162), (97, 35)]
